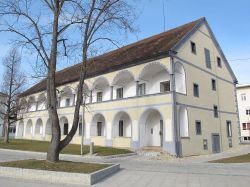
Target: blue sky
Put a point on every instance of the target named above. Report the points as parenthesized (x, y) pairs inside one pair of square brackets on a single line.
[(229, 20)]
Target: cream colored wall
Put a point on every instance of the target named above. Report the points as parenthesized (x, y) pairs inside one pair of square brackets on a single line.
[(223, 97)]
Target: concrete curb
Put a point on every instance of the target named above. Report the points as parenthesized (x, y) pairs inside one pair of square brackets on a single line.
[(56, 177), (75, 156)]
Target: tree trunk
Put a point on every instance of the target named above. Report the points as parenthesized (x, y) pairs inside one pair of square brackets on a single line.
[(6, 131), (53, 151)]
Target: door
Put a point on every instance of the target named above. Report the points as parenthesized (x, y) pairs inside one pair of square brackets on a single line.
[(215, 143)]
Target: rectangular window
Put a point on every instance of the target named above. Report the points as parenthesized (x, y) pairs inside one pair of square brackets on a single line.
[(198, 127), (165, 86), (229, 129), (141, 89), (214, 84), (193, 47), (246, 126), (65, 128), (205, 144), (67, 102), (196, 90), (245, 138), (216, 114), (80, 128), (119, 93), (120, 128), (207, 58), (219, 62), (243, 97), (99, 97), (99, 128), (247, 112)]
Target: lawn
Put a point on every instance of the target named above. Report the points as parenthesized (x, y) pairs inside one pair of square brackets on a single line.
[(74, 149), (64, 166), (237, 159)]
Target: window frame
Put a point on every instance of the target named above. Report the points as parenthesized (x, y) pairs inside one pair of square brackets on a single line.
[(119, 92), (208, 58), (67, 102), (141, 89), (196, 93), (99, 128), (218, 59), (243, 97), (163, 85), (198, 123), (121, 128), (214, 84), (229, 128), (193, 47), (216, 112), (205, 144), (99, 96)]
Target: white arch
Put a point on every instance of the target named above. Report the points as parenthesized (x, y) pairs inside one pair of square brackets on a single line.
[(67, 98), (41, 102), (29, 127), (122, 122), (156, 78), (100, 86), (150, 67), (100, 80), (122, 77), (64, 125), (180, 78), (39, 127), (20, 129), (151, 128), (31, 104), (183, 121), (98, 125), (23, 105)]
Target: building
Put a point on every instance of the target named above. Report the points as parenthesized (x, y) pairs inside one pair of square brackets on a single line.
[(174, 90), (243, 94), (3, 98)]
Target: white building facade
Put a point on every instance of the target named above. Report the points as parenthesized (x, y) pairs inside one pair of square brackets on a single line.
[(174, 90), (243, 94)]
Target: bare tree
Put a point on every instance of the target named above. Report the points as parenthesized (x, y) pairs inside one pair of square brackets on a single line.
[(45, 27), (13, 84)]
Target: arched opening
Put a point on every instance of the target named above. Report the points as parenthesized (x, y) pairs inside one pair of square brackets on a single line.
[(98, 125), (31, 104), (151, 128), (20, 129), (48, 127), (180, 78), (41, 102), (124, 85), (23, 105), (64, 125), (154, 78), (100, 90), (39, 127), (66, 97), (29, 128), (86, 94), (183, 121), (122, 125)]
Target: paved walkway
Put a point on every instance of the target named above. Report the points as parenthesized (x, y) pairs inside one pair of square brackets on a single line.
[(140, 171)]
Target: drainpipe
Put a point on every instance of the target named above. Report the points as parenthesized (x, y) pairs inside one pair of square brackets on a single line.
[(174, 108)]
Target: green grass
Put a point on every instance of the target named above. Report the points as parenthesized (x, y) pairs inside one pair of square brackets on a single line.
[(74, 149), (237, 159), (65, 166)]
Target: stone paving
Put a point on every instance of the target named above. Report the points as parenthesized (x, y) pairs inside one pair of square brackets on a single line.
[(143, 171)]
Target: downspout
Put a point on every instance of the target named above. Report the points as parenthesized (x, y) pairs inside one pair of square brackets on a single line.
[(174, 107), (237, 110)]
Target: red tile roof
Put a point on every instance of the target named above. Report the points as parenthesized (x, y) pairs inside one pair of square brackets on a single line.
[(130, 55)]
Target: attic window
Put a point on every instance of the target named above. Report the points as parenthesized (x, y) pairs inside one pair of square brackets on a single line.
[(193, 47), (219, 62)]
